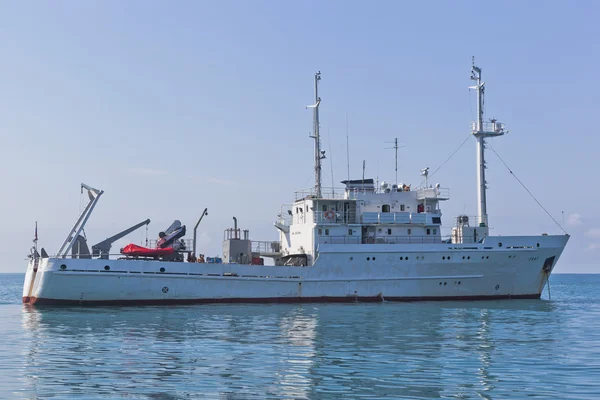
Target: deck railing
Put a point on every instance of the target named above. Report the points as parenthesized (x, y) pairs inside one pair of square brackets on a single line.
[(262, 247), (433, 193), (496, 126), (326, 193), (385, 239), (399, 218)]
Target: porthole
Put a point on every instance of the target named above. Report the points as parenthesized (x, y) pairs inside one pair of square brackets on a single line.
[(406, 258), (351, 258), (497, 287), (468, 258), (445, 283), (459, 282), (499, 244), (538, 245), (463, 257), (63, 266), (440, 283), (486, 257), (368, 258), (448, 257), (106, 268), (373, 258), (443, 258), (162, 269), (401, 258)]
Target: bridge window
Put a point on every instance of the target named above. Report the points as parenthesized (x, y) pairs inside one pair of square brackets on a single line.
[(409, 231), (320, 231), (324, 206), (327, 231), (401, 207), (389, 231), (350, 232), (385, 208), (428, 231), (435, 231)]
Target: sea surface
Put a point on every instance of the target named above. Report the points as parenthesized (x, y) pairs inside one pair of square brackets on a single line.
[(514, 349)]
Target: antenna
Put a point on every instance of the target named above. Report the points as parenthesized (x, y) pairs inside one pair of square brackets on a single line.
[(319, 155), (363, 175), (331, 163), (347, 148), (395, 146)]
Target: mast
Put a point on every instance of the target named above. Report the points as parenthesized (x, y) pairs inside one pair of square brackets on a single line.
[(395, 147), (482, 130), (319, 155)]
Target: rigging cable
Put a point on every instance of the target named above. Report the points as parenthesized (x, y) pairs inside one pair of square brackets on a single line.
[(449, 157), (525, 187)]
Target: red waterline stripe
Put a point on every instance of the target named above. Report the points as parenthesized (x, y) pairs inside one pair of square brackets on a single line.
[(274, 300)]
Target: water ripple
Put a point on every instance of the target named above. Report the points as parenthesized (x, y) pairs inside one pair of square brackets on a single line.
[(534, 349)]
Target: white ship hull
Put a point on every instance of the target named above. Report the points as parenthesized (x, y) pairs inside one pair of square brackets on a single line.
[(519, 268)]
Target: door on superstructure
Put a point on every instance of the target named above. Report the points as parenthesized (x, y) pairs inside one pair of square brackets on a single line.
[(346, 213)]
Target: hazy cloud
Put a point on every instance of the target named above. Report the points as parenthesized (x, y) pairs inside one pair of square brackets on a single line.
[(593, 246), (593, 233), (574, 219), (219, 181), (148, 171)]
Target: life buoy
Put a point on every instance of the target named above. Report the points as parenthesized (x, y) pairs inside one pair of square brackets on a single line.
[(329, 215)]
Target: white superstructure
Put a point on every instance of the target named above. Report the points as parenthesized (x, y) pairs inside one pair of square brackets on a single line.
[(359, 242)]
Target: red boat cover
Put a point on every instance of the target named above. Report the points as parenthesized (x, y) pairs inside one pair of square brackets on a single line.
[(135, 250)]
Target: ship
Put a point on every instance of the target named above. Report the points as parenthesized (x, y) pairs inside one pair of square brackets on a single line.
[(365, 241)]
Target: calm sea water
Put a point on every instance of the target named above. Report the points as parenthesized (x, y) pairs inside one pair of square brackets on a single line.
[(491, 350)]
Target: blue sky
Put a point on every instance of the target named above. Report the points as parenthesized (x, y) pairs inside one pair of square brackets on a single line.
[(171, 107)]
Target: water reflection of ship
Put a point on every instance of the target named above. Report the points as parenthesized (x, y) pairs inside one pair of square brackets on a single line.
[(401, 350), (215, 350)]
